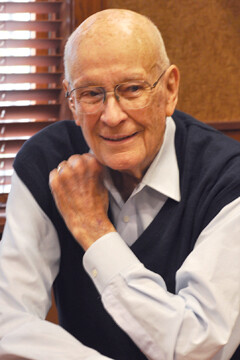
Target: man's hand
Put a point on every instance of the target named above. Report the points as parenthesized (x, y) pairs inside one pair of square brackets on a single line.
[(81, 198)]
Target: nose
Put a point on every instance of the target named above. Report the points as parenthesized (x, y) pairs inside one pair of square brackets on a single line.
[(112, 113)]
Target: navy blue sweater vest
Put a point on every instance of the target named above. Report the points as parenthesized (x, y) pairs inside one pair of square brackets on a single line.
[(209, 165)]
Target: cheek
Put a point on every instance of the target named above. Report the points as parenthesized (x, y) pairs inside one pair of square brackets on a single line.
[(154, 118), (88, 126), (155, 128), (79, 118)]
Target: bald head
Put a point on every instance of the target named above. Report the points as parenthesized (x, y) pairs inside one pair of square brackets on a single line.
[(120, 27)]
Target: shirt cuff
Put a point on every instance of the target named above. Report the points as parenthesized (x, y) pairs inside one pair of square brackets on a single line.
[(108, 257)]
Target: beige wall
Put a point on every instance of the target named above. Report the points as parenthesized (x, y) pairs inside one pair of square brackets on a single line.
[(203, 38)]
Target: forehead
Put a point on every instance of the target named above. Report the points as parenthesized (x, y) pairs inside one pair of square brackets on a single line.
[(111, 51)]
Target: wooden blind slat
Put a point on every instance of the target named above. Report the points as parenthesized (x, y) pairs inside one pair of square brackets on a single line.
[(38, 78), (6, 163), (5, 180), (31, 43), (30, 25), (49, 111), (48, 60), (19, 130), (42, 7), (34, 94), (10, 147)]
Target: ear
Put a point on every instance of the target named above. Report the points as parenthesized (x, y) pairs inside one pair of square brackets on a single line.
[(172, 85), (71, 102)]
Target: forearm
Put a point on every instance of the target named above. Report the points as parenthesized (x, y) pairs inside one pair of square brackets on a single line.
[(199, 319), (29, 263), (36, 339)]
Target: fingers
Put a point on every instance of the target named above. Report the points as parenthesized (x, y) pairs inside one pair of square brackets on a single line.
[(83, 162), (76, 166), (87, 163)]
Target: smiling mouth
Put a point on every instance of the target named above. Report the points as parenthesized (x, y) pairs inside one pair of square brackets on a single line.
[(118, 139)]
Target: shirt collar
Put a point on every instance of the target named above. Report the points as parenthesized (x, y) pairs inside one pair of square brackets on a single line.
[(163, 173)]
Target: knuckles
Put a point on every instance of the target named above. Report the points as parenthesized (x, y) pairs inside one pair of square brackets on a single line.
[(85, 164), (77, 168)]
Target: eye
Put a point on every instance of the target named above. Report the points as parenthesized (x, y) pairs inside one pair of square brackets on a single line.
[(134, 88), (131, 90), (89, 94)]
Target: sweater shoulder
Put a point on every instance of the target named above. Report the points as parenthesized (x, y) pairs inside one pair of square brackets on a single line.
[(203, 141), (50, 146), (209, 165), (43, 152)]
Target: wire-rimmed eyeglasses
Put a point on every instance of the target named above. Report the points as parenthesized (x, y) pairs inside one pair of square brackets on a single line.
[(134, 94)]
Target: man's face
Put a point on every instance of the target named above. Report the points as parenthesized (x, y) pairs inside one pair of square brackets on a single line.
[(123, 139)]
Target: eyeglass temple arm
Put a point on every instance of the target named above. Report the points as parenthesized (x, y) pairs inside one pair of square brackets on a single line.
[(156, 82), (68, 92)]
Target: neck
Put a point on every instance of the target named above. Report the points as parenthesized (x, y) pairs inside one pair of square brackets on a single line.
[(125, 183)]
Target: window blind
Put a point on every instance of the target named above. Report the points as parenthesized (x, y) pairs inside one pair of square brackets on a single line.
[(32, 37)]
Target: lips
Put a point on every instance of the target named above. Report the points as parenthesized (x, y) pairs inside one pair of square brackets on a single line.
[(118, 138)]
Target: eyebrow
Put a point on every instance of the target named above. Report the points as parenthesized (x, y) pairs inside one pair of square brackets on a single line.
[(132, 77), (92, 84), (86, 84)]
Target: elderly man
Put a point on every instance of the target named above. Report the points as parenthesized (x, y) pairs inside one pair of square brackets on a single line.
[(138, 225)]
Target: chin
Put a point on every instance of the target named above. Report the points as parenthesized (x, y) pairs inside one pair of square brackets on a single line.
[(129, 168), (123, 162), (119, 167)]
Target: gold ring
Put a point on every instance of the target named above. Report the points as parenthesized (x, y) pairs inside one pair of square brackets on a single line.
[(59, 168)]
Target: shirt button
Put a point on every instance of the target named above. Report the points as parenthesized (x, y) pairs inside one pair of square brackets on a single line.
[(94, 273), (126, 219)]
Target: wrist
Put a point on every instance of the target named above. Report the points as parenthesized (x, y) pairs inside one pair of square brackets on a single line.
[(87, 237)]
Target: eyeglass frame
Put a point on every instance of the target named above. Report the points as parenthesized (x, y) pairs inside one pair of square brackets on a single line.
[(151, 87)]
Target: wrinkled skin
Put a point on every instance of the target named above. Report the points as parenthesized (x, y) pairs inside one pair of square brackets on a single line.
[(79, 192)]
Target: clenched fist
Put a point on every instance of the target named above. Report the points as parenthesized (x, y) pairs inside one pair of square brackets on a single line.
[(81, 198)]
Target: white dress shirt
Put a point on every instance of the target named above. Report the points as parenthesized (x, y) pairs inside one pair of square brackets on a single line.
[(202, 321)]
